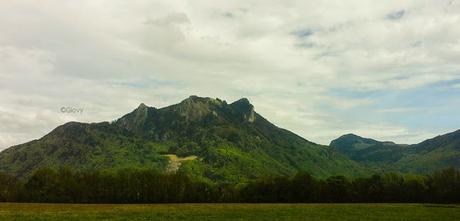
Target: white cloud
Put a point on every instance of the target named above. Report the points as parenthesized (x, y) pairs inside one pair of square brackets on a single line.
[(108, 56)]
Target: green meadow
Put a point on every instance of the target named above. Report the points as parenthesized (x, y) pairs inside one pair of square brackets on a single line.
[(253, 212)]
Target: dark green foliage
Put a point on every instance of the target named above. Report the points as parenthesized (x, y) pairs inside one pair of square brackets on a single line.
[(336, 189), (123, 186), (446, 185), (304, 188), (150, 186), (9, 187), (441, 187)]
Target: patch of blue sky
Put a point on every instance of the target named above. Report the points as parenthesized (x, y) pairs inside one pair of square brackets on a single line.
[(395, 15), (431, 107), (303, 33)]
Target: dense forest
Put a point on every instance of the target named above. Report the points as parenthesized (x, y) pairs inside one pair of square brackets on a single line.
[(149, 186)]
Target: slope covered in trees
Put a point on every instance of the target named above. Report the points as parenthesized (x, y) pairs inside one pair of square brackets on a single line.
[(231, 142), (430, 155)]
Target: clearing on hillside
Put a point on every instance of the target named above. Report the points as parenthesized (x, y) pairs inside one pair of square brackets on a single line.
[(175, 162)]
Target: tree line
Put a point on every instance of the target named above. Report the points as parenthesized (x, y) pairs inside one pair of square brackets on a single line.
[(149, 186)]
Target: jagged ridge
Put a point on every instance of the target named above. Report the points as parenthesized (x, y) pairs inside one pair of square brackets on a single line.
[(232, 142)]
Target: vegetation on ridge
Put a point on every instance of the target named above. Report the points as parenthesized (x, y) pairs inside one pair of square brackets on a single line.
[(233, 144), (430, 155)]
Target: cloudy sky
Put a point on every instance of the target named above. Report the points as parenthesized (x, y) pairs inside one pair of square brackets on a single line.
[(383, 69)]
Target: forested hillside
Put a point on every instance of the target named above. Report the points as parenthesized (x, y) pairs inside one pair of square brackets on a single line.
[(425, 157), (225, 142)]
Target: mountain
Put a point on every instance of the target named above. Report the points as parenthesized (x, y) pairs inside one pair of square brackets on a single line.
[(369, 151), (204, 138), (430, 155)]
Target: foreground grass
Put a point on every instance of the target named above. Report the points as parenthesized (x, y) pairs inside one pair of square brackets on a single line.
[(253, 212)]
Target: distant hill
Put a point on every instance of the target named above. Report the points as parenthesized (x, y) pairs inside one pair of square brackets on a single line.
[(433, 154), (202, 137)]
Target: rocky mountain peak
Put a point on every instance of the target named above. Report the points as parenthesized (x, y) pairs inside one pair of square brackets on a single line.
[(244, 107), (142, 106), (136, 118), (195, 107)]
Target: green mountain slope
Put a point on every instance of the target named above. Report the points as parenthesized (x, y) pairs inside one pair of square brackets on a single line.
[(433, 154), (224, 142)]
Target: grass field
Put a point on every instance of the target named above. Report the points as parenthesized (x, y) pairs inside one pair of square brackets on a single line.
[(253, 212)]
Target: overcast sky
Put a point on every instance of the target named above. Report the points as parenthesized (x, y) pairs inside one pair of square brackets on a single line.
[(389, 70)]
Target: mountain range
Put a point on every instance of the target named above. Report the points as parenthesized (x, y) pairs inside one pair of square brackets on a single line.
[(202, 137), (425, 157), (211, 140)]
